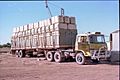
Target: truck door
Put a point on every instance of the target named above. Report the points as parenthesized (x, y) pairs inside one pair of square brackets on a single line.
[(83, 44)]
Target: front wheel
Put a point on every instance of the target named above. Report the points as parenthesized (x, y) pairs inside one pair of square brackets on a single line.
[(80, 59)]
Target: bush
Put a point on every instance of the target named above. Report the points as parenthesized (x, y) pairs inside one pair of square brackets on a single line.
[(5, 45)]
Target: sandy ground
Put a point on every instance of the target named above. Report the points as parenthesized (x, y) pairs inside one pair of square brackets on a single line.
[(13, 68)]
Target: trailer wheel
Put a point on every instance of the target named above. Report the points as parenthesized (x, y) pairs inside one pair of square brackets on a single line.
[(58, 57), (21, 54), (17, 53), (49, 56), (80, 59)]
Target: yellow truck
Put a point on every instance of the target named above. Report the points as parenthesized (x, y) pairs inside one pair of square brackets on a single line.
[(88, 47)]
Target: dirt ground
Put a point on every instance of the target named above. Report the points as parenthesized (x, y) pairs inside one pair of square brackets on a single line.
[(13, 68)]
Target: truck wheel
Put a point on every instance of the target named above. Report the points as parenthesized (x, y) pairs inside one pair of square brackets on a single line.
[(49, 56), (58, 58), (17, 53), (21, 54), (80, 59)]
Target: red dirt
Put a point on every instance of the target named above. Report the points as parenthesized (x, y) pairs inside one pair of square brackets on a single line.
[(13, 68)]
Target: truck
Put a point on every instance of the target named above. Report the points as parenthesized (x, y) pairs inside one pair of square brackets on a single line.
[(57, 39)]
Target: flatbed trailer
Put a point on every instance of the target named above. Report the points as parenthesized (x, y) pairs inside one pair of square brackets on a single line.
[(47, 37)]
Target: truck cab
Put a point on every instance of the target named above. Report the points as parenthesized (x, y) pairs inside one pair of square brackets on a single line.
[(90, 45)]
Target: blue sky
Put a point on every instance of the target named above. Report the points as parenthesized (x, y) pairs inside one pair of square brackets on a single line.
[(91, 16)]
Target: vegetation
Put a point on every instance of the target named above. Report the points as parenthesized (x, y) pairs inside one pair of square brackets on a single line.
[(5, 45)]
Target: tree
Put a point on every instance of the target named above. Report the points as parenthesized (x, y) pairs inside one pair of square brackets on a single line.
[(5, 45)]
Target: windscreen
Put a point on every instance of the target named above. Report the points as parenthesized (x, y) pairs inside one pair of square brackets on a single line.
[(96, 39)]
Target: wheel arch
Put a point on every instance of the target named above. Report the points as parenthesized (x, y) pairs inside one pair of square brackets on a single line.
[(81, 52)]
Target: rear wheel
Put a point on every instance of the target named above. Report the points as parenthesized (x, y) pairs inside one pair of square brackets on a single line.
[(50, 56), (58, 57), (80, 59), (17, 53), (21, 54)]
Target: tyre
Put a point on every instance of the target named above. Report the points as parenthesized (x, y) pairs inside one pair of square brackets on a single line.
[(21, 54), (17, 53), (58, 57), (80, 59), (50, 56)]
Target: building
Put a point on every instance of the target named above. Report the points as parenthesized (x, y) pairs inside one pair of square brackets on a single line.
[(114, 45)]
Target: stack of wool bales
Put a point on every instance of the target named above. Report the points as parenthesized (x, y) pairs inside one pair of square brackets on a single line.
[(62, 32), (55, 32), (13, 39)]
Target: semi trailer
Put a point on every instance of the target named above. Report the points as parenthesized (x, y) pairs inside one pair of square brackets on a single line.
[(57, 39)]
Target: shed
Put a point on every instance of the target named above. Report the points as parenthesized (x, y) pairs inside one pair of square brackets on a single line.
[(114, 39), (114, 45)]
